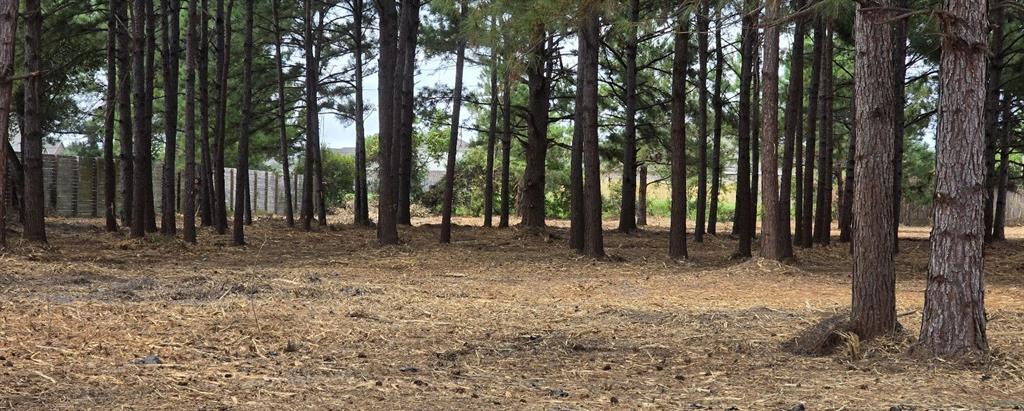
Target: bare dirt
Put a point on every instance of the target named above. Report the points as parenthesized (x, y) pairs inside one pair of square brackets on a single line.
[(499, 319)]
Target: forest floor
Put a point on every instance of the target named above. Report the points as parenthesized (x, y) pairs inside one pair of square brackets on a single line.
[(498, 319)]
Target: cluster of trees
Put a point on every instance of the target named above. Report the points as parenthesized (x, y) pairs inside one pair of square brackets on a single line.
[(675, 88)]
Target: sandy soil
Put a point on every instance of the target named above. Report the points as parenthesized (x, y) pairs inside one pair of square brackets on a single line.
[(498, 320)]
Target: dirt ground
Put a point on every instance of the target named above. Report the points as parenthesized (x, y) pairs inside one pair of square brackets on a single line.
[(497, 320)]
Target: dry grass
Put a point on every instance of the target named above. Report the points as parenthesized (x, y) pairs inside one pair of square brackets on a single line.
[(498, 319)]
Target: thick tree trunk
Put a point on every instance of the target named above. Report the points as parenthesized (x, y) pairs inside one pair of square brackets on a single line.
[(206, 167), (492, 135), (506, 148), (223, 28), (362, 214), (589, 49), (387, 208), (743, 224), (810, 147), (899, 84), (873, 310), (453, 140), (577, 212), (823, 212), (312, 73), (170, 22), (702, 119), (124, 110), (794, 117), (677, 228), (32, 134), (641, 199), (242, 183), (404, 80), (110, 117), (954, 304), (627, 210), (771, 238), (8, 31), (188, 207), (138, 208), (144, 154), (536, 147), (716, 151), (282, 113)]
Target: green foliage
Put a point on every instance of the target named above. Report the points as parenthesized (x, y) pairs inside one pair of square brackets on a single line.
[(339, 176)]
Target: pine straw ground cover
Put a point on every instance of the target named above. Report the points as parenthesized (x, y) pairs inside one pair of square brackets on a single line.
[(498, 320)]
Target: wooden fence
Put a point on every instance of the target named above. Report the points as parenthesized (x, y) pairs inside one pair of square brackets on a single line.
[(74, 187)]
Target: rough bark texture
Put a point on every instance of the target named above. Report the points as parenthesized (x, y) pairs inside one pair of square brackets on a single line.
[(223, 27), (492, 135), (590, 47), (32, 135), (899, 85), (170, 36), (110, 117), (506, 148), (387, 182), (138, 209), (953, 321), (282, 113), (536, 147), (8, 31), (874, 270), (813, 106), (627, 209), (743, 224), (453, 140), (771, 239), (404, 98), (144, 152), (362, 206), (677, 229), (794, 117), (577, 223), (702, 119), (823, 211), (716, 150), (188, 207), (242, 183), (206, 165), (312, 72), (124, 110)]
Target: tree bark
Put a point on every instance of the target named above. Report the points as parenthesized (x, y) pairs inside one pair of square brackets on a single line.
[(34, 229), (743, 223), (755, 137), (8, 32), (771, 238), (627, 210), (453, 139), (702, 119), (677, 228), (823, 213), (589, 49), (794, 117), (312, 69), (536, 147), (188, 207), (641, 199), (506, 148), (110, 117), (145, 160), (362, 215), (716, 151), (873, 310), (899, 83), (492, 133), (139, 95), (813, 105), (206, 167), (282, 113), (577, 210), (242, 183), (124, 109), (954, 306), (170, 20), (404, 79), (223, 28), (387, 208)]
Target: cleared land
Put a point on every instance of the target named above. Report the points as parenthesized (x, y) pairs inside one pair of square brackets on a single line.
[(499, 319)]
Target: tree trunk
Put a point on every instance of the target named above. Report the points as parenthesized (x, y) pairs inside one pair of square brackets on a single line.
[(794, 116), (362, 215), (492, 133), (589, 49), (8, 31), (627, 210), (282, 113), (755, 137), (954, 304), (506, 148), (641, 199), (453, 139), (677, 229), (900, 73), (124, 110), (813, 105), (242, 183), (312, 121), (32, 134), (702, 119), (387, 208), (577, 210), (771, 238), (110, 117), (145, 161), (823, 214), (992, 109), (223, 28), (170, 21), (716, 151), (873, 310), (536, 147), (744, 225), (206, 179), (404, 79), (188, 207), (999, 225)]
